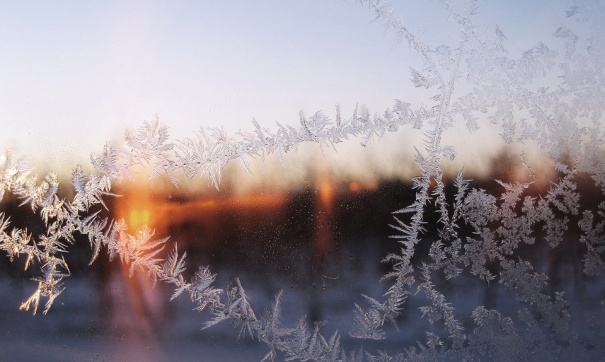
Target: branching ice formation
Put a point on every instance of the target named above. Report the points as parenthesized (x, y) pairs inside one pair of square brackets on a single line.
[(479, 231)]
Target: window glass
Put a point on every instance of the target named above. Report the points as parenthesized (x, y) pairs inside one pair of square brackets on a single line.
[(302, 180)]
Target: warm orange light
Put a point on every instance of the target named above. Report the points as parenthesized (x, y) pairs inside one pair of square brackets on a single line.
[(243, 201), (371, 185), (137, 219), (326, 192), (324, 211), (356, 187), (139, 208)]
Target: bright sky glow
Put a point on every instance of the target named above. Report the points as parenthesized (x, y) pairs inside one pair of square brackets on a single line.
[(75, 74)]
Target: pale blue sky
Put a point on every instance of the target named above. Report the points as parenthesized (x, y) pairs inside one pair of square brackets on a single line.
[(75, 74)]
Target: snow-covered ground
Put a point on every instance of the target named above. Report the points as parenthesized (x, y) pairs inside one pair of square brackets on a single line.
[(102, 317)]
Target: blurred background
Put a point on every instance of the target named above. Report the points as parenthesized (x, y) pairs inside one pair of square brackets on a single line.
[(320, 241), (76, 75)]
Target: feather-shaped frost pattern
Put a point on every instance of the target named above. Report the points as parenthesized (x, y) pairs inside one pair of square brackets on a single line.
[(550, 96)]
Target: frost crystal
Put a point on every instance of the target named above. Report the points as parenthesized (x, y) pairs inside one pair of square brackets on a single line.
[(478, 230)]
